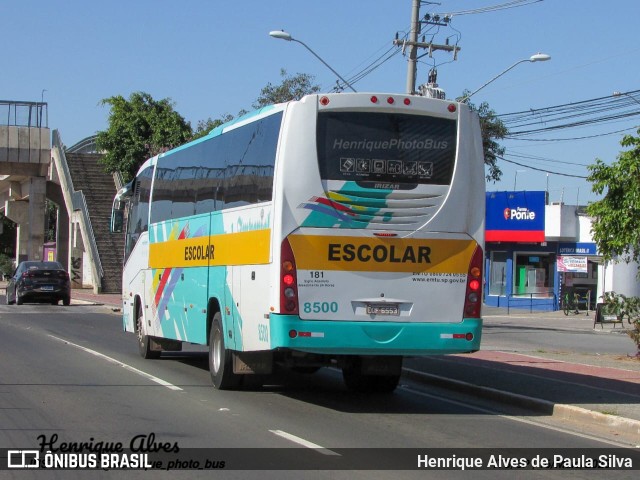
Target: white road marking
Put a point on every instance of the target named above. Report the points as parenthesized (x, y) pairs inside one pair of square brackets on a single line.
[(304, 443), (109, 359)]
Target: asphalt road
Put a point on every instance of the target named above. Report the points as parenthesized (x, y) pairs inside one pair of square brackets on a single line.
[(72, 372)]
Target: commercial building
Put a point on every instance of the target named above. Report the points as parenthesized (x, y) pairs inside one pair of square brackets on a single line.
[(537, 253)]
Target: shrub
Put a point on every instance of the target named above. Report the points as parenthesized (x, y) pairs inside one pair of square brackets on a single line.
[(629, 308)]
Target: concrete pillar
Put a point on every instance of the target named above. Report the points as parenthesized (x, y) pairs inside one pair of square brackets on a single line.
[(54, 194), (18, 212), (37, 195), (62, 237), (76, 256)]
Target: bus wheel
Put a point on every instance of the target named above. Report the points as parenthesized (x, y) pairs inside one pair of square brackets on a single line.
[(220, 361), (144, 342)]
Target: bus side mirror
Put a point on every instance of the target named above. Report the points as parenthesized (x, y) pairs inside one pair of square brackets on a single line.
[(117, 217), (117, 221)]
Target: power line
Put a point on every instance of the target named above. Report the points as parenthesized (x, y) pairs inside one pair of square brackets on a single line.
[(541, 169), (565, 139), (494, 8), (542, 159), (571, 115)]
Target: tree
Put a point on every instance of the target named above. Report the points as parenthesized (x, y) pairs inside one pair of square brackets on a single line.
[(616, 221), (7, 236), (293, 87), (50, 221), (616, 217), (492, 129), (7, 266), (139, 128), (205, 126)]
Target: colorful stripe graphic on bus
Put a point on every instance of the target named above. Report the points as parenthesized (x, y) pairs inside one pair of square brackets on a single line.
[(349, 207), (190, 264)]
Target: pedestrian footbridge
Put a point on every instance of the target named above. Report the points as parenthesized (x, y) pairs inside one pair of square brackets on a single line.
[(33, 170)]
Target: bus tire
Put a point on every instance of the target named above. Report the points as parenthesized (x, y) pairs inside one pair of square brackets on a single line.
[(220, 360), (144, 342)]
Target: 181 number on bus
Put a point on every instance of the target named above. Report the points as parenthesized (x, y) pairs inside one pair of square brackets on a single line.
[(321, 307)]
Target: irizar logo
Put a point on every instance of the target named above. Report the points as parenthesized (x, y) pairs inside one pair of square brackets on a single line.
[(519, 213)]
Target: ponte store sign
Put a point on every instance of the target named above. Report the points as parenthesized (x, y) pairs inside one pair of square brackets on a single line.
[(515, 217)]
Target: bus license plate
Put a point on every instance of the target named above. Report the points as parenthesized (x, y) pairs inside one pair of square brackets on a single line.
[(383, 309)]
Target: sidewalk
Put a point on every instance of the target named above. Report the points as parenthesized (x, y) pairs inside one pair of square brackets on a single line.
[(86, 296), (597, 389)]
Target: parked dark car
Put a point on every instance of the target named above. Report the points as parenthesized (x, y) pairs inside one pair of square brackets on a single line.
[(39, 282)]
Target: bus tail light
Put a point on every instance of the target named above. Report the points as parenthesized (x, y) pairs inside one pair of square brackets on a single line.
[(473, 296), (288, 280)]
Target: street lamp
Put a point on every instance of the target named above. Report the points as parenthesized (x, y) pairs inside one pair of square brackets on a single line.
[(281, 34), (538, 57)]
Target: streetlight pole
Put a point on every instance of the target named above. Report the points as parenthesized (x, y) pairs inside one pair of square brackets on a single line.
[(286, 36), (515, 179), (538, 57)]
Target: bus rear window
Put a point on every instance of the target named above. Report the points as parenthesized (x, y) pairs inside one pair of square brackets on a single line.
[(374, 149)]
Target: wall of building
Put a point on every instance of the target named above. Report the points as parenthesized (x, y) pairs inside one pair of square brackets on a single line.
[(620, 277)]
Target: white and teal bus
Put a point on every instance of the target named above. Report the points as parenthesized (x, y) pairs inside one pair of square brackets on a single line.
[(339, 230)]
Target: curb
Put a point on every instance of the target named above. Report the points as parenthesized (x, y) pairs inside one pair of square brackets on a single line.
[(81, 301), (625, 426)]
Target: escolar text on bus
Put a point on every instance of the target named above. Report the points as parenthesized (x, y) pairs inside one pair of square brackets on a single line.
[(380, 253), (199, 252)]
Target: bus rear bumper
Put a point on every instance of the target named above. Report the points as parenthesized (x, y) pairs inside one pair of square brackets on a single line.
[(374, 338)]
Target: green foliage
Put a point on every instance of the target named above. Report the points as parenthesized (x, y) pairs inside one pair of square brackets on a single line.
[(625, 308), (293, 87), (7, 266), (493, 129), (7, 236), (139, 128), (205, 126), (50, 221), (616, 224)]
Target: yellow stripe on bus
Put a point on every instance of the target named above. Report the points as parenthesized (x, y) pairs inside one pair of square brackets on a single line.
[(242, 248), (381, 254)]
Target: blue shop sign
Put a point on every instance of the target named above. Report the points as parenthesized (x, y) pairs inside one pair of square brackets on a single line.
[(515, 216), (577, 248)]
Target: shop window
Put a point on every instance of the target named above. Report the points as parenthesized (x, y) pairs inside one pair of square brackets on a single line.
[(498, 274), (534, 273)]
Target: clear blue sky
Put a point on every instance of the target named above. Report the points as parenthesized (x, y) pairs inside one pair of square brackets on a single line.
[(213, 57)]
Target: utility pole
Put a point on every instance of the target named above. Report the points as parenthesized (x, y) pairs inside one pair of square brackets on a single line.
[(412, 70), (413, 44)]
